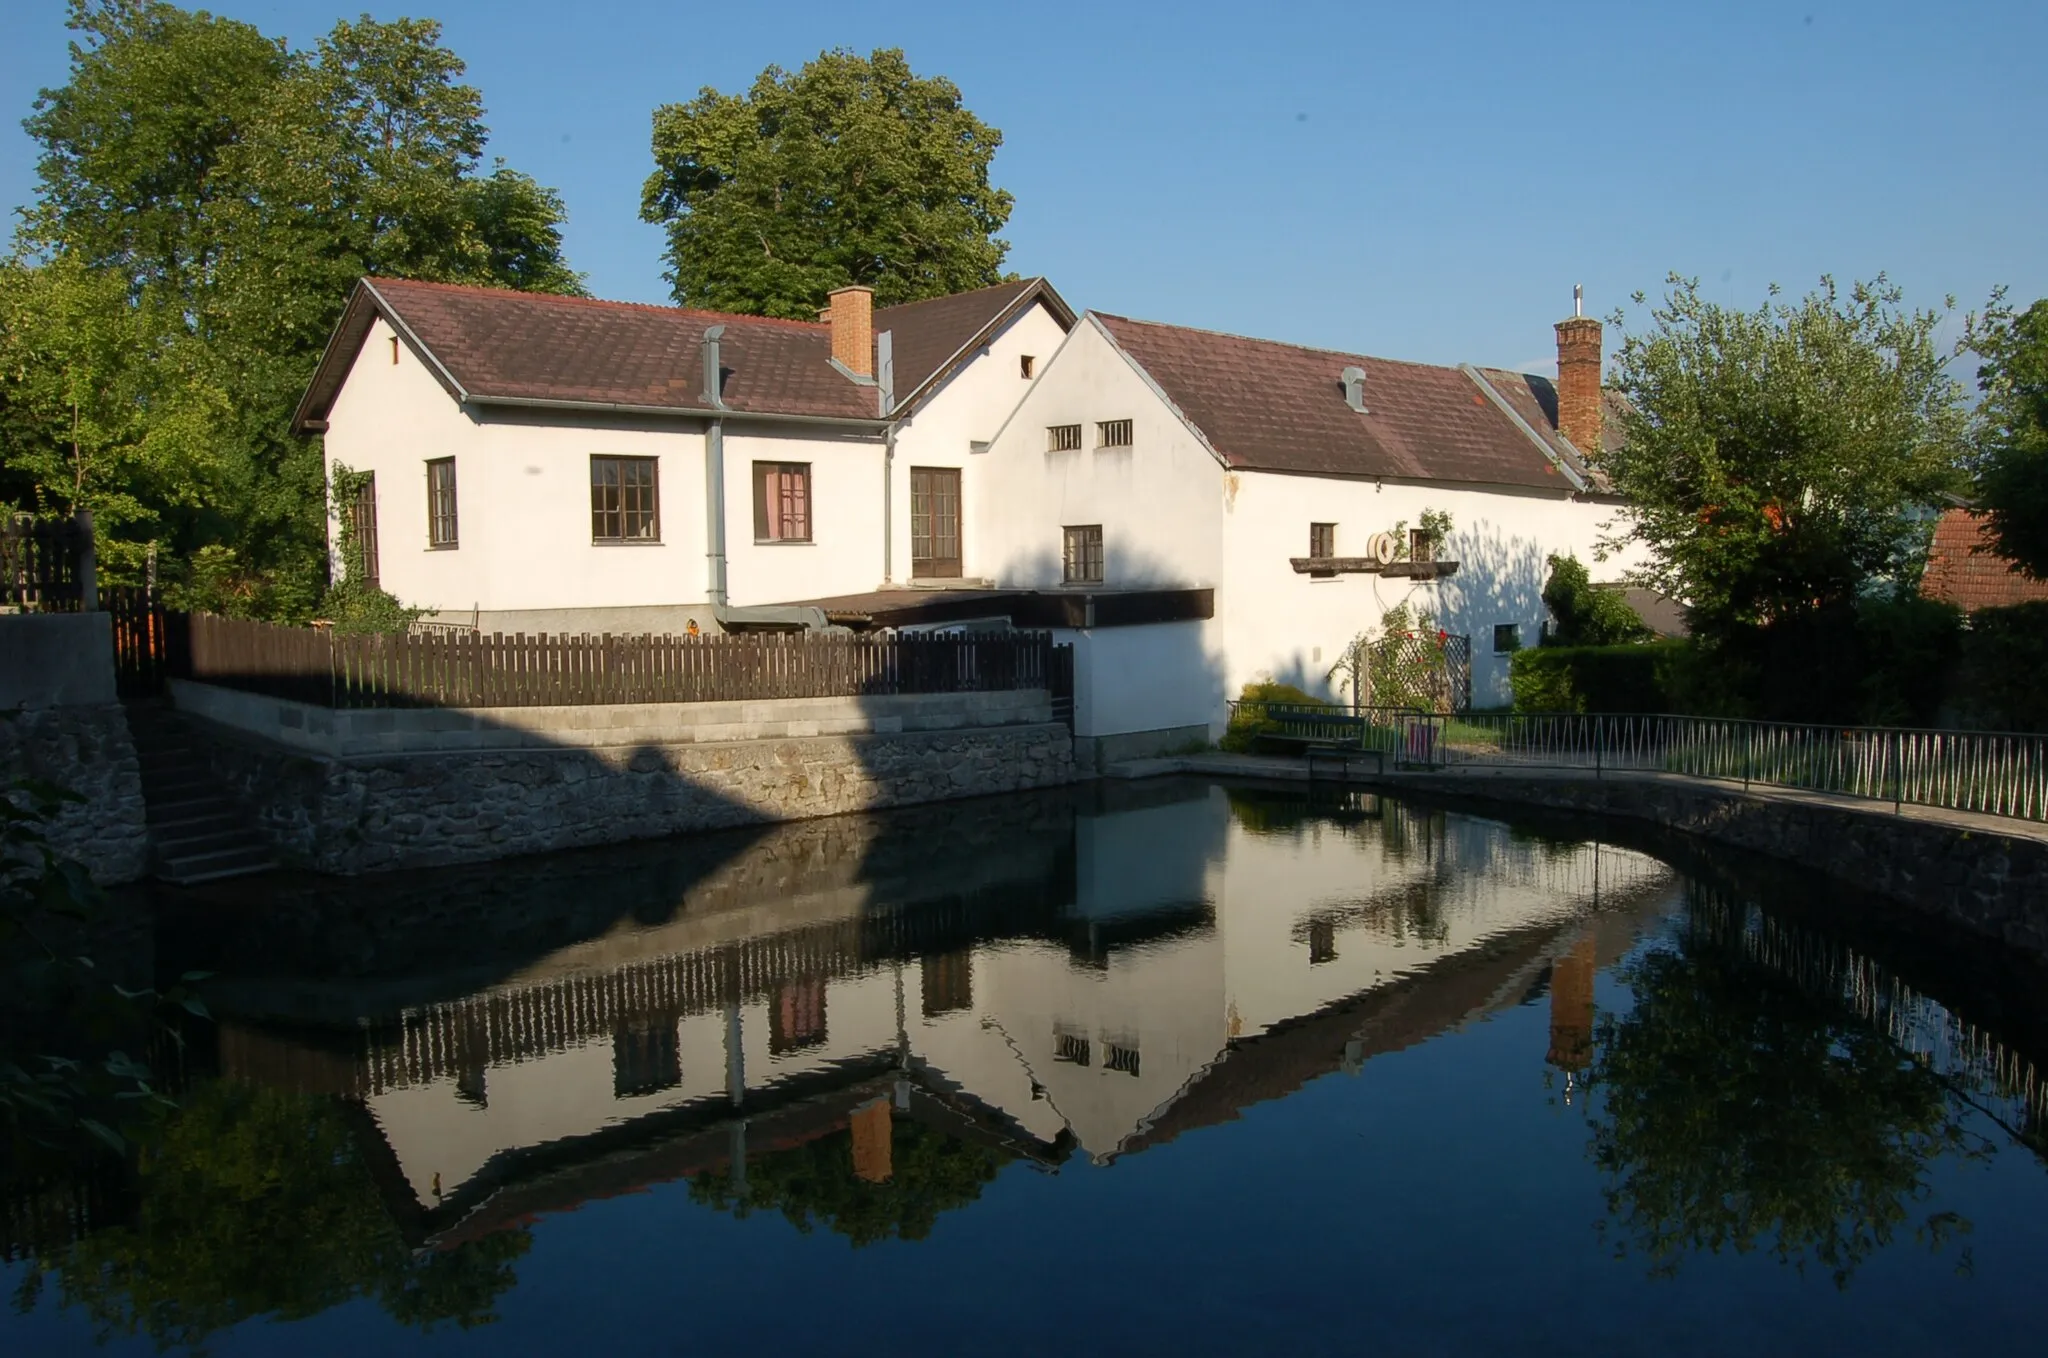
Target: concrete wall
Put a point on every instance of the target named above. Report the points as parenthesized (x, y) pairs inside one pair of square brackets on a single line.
[(1282, 625), (1159, 502), (395, 811), (1144, 690), (968, 408), (86, 750), (345, 734), (54, 659)]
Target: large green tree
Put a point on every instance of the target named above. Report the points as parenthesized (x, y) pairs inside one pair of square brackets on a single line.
[(1774, 459), (2012, 432), (228, 192), (852, 170)]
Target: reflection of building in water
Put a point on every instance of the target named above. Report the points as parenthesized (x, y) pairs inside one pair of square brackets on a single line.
[(1170, 959)]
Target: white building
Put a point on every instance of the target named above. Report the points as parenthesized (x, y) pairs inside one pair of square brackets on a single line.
[(1191, 510), (559, 464)]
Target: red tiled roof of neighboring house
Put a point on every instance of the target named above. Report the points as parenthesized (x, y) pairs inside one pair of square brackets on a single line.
[(497, 344), (932, 337), (1267, 406), (1534, 398), (1962, 568)]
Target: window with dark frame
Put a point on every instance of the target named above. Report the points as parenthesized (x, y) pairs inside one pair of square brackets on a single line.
[(1062, 438), (441, 521), (1026, 365), (362, 518), (1322, 540), (1113, 434), (1082, 557), (782, 502), (1421, 545), (623, 500), (1120, 1057), (1073, 1048), (1507, 638)]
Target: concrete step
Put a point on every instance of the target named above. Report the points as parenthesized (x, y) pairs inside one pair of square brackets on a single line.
[(196, 818), (192, 844), (207, 867)]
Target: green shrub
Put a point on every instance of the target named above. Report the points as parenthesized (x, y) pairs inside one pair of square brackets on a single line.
[(2005, 656), (1596, 678), (1246, 724), (1583, 615)]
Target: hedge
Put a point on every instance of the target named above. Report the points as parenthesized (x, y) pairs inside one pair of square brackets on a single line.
[(1595, 678)]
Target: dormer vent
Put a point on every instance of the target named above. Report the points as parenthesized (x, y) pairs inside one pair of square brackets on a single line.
[(1354, 388)]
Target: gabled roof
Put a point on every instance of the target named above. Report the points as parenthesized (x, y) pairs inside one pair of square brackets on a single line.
[(935, 337), (1964, 569), (1267, 406), (494, 345)]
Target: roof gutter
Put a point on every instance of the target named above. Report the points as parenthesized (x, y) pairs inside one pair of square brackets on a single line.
[(672, 412), (1500, 403)]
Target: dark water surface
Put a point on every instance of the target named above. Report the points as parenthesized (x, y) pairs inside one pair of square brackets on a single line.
[(1164, 1068)]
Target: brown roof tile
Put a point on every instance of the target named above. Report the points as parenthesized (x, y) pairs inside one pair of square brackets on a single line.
[(1962, 568), (1264, 405), (535, 346), (928, 334)]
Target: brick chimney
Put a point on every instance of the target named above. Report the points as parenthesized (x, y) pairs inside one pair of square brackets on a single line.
[(1579, 402), (852, 318)]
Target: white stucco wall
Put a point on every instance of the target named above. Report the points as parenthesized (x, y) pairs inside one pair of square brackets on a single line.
[(1160, 501), (967, 408), (1147, 678), (1281, 625), (523, 499)]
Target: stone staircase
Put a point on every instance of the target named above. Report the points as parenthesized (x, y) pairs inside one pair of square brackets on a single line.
[(198, 832)]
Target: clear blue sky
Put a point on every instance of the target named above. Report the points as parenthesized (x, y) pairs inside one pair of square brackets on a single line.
[(1413, 181)]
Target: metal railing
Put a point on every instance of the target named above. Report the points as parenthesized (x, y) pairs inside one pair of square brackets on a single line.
[(2000, 774), (1407, 735)]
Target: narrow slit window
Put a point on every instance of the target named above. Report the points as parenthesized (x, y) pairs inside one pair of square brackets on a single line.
[(1026, 366), (1082, 557), (1062, 438), (1322, 540), (782, 502), (623, 500), (1113, 434), (441, 522)]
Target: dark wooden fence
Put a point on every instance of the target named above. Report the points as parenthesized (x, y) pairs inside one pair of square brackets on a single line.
[(46, 565), (318, 667), (142, 640)]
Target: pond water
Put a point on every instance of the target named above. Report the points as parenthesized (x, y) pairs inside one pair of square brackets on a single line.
[(1148, 1068)]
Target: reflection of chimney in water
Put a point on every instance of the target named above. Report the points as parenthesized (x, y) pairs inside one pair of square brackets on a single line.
[(1571, 1008), (871, 1142)]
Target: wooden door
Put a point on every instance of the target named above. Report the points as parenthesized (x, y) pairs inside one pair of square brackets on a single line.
[(934, 523)]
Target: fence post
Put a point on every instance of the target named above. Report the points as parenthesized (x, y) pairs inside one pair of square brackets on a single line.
[(1898, 773), (88, 564), (1599, 744)]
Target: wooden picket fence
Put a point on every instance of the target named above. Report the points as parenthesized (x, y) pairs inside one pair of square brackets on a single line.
[(471, 670), (47, 565)]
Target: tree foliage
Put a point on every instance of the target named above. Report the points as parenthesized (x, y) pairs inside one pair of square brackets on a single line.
[(851, 170), (2012, 430), (1773, 458), (207, 197), (1584, 616), (1736, 1112), (258, 1202)]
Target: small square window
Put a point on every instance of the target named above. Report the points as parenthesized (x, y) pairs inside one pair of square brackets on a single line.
[(1421, 545), (623, 500), (1062, 438), (1113, 434), (1082, 558), (1507, 638), (1322, 540), (782, 502), (1026, 366)]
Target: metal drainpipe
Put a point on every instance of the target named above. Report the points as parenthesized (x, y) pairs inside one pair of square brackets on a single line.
[(714, 475), (885, 380)]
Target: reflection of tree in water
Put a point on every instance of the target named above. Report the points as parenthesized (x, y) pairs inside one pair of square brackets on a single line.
[(818, 1183), (1735, 1110), (257, 1202)]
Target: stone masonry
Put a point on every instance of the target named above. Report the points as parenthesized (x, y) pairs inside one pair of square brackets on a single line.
[(85, 749), (367, 813)]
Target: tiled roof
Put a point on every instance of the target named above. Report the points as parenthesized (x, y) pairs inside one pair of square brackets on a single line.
[(928, 334), (1534, 398), (1963, 570), (1263, 405)]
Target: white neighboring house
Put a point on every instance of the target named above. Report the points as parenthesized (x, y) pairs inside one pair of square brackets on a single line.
[(1158, 457), (557, 464)]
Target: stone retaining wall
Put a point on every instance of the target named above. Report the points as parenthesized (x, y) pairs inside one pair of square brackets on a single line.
[(378, 812), (85, 749), (1993, 884)]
